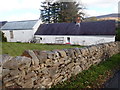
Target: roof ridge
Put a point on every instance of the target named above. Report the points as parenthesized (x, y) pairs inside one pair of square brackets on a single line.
[(22, 21)]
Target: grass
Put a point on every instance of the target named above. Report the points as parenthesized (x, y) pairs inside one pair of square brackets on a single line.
[(95, 76), (16, 49)]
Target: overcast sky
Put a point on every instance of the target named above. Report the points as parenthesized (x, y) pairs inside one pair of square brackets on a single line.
[(13, 10)]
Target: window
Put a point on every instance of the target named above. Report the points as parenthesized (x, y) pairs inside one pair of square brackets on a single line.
[(40, 38), (59, 40), (11, 34)]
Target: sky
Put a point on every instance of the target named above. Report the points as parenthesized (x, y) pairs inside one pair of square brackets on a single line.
[(17, 10)]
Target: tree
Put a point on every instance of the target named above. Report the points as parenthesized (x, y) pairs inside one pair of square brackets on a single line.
[(69, 11), (2, 37), (45, 12), (60, 11)]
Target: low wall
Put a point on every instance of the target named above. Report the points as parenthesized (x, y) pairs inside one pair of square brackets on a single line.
[(42, 69)]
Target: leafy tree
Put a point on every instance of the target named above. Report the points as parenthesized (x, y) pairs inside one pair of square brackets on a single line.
[(60, 11), (69, 11), (2, 37)]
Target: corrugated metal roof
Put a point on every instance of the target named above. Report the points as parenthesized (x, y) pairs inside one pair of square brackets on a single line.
[(19, 25), (86, 28)]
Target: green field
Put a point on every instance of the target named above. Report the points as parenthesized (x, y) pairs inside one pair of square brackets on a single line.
[(95, 76), (16, 49)]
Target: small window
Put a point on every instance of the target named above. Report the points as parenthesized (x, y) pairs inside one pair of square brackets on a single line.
[(11, 35), (40, 38)]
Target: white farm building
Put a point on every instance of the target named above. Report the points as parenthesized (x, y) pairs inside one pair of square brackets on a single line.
[(87, 33), (20, 31)]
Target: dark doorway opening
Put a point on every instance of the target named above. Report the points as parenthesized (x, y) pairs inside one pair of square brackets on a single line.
[(68, 39)]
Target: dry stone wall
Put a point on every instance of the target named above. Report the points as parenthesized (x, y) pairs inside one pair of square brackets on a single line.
[(42, 69)]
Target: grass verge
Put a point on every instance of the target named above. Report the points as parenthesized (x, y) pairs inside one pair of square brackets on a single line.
[(16, 49), (95, 76)]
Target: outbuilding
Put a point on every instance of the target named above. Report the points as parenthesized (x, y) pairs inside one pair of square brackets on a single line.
[(85, 33), (20, 31)]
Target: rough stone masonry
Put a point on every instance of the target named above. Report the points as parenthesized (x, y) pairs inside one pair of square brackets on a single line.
[(42, 69)]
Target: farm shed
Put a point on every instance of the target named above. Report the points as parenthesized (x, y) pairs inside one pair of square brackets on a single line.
[(20, 31), (87, 33)]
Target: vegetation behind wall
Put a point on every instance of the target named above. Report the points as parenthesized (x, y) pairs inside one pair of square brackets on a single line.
[(117, 34), (2, 37)]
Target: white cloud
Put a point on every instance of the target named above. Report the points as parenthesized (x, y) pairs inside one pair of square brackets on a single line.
[(100, 7), (25, 16), (7, 5), (94, 8), (99, 2), (95, 13), (13, 10)]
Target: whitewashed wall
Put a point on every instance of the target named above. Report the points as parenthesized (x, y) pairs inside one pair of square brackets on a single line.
[(19, 35), (79, 40), (22, 35), (39, 22)]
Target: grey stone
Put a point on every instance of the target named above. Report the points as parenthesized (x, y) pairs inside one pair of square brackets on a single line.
[(42, 55), (30, 75), (56, 54), (64, 79), (5, 72), (37, 67), (71, 53), (14, 72), (62, 53), (46, 81), (70, 65), (56, 76), (77, 70), (45, 70), (77, 52), (61, 61), (49, 62), (62, 73), (11, 64), (23, 61), (66, 51), (11, 83), (52, 70), (15, 62), (50, 55), (67, 61), (4, 58), (28, 84), (59, 79), (6, 80), (56, 63), (35, 60)]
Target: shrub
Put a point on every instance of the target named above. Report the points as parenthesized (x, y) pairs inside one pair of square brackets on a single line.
[(117, 38), (2, 37)]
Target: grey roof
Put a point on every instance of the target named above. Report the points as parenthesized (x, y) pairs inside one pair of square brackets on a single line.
[(86, 28), (19, 25), (2, 23)]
